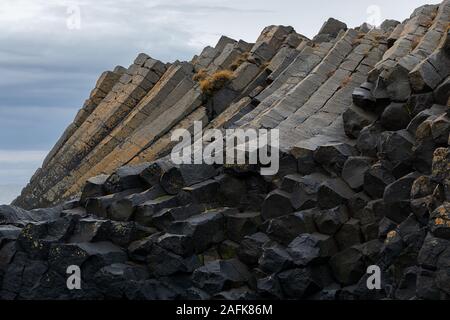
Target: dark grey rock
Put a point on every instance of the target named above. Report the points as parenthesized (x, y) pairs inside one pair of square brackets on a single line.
[(269, 287), (220, 275), (99, 206), (348, 266), (204, 229), (332, 27), (442, 92), (176, 243), (311, 248), (349, 234), (162, 262), (274, 259), (368, 139), (333, 156), (331, 220), (277, 203), (395, 117), (251, 247), (94, 187), (354, 170), (333, 193), (355, 119), (239, 225), (287, 228), (123, 209), (127, 177), (91, 256), (377, 178), (364, 99), (145, 212), (300, 283)]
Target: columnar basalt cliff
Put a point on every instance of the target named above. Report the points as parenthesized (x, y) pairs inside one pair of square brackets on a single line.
[(364, 178)]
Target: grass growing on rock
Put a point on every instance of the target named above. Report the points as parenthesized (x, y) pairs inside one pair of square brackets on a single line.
[(216, 81), (240, 60), (200, 75)]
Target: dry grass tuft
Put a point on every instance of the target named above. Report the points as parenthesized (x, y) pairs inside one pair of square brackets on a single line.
[(240, 60), (215, 82), (200, 75)]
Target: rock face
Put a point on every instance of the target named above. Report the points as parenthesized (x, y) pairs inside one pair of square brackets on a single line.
[(364, 179)]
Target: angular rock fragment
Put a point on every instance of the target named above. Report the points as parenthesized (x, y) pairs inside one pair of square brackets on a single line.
[(274, 259), (330, 221), (286, 228), (127, 177), (364, 99), (396, 197), (269, 287), (162, 262), (250, 249), (348, 266), (164, 218), (376, 179), (332, 193), (8, 233), (145, 212), (368, 139), (299, 283), (91, 256), (332, 157), (349, 234), (303, 189), (355, 119), (442, 92), (277, 203), (99, 206), (311, 248), (203, 192), (395, 117), (354, 170), (123, 209), (204, 229), (94, 187), (221, 275), (238, 225)]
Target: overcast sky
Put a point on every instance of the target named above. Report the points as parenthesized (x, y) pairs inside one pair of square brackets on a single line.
[(52, 51)]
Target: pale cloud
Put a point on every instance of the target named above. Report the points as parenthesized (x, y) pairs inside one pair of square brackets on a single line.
[(21, 156), (16, 168), (9, 192)]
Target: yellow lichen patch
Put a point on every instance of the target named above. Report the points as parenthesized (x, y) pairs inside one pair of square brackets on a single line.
[(442, 222), (442, 211), (392, 234)]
